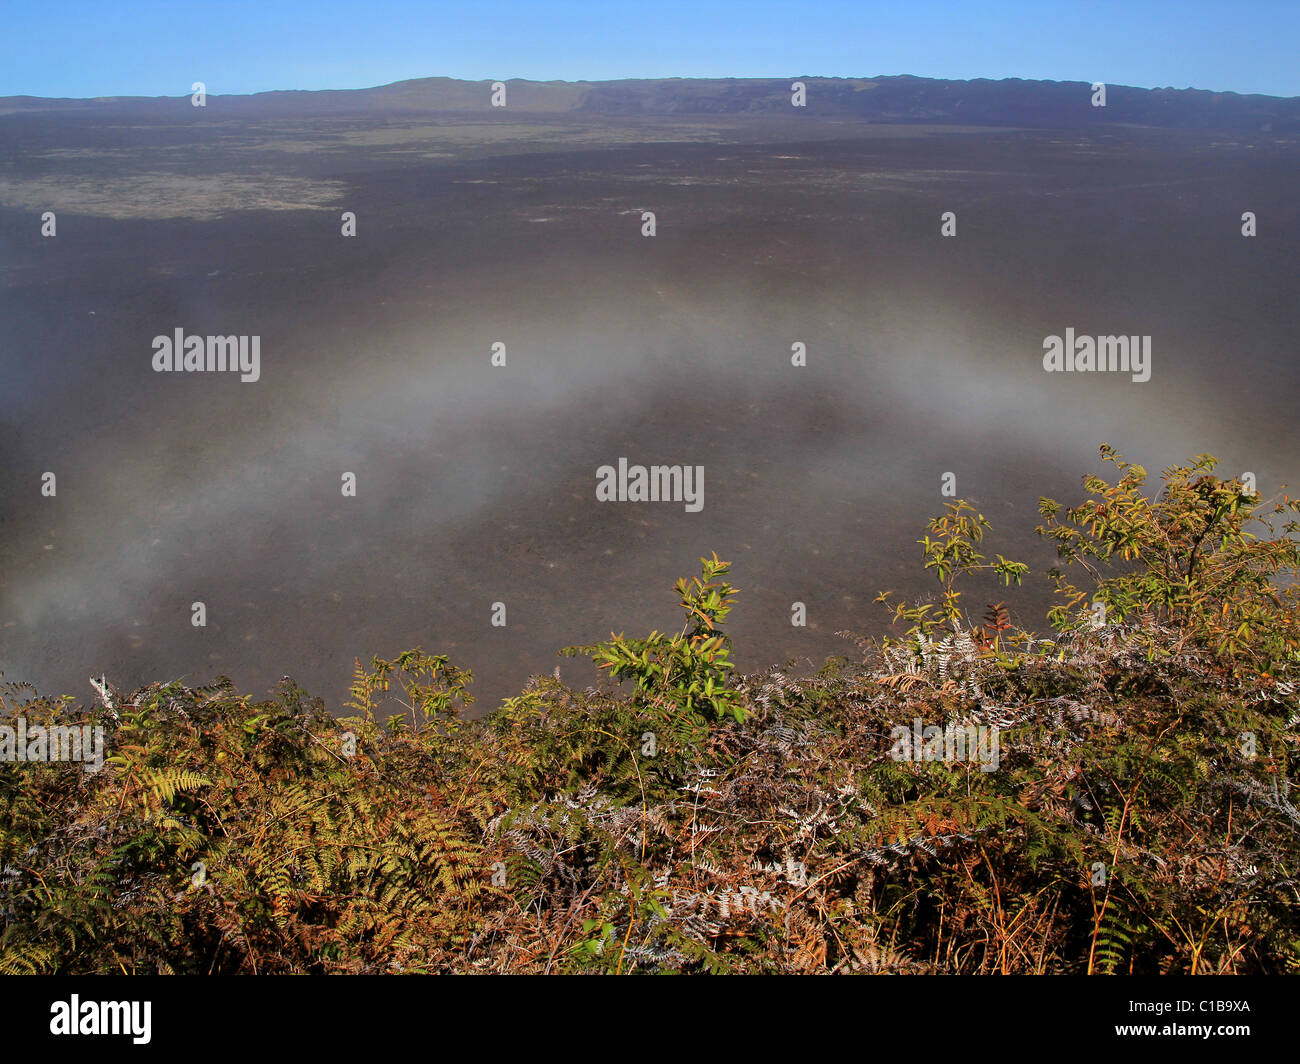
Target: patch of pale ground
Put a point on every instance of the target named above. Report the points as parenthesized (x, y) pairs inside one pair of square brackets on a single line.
[(445, 138), (808, 176), (156, 196)]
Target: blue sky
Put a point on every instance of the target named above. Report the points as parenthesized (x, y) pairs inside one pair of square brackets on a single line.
[(130, 47)]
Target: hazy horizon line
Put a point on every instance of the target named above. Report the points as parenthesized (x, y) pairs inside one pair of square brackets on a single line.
[(666, 77)]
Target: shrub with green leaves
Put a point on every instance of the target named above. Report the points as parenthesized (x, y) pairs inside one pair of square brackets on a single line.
[(951, 550), (680, 679), (1204, 556)]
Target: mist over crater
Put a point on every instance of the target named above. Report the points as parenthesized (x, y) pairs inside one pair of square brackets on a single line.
[(477, 482)]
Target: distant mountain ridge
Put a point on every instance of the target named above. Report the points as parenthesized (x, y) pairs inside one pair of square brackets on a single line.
[(893, 99)]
